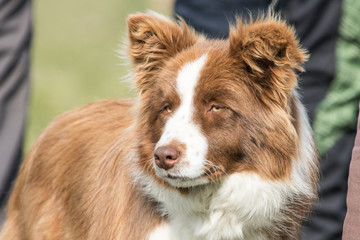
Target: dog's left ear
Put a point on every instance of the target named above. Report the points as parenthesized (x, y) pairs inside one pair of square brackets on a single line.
[(271, 54), (153, 39)]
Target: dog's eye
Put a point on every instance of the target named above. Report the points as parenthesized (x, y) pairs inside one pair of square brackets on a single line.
[(215, 108), (168, 109)]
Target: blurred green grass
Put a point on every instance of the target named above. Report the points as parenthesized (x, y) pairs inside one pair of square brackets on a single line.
[(74, 58)]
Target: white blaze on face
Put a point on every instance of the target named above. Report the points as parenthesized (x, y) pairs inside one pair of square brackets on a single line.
[(181, 128)]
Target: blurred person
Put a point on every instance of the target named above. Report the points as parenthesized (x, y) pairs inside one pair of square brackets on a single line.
[(351, 230), (330, 87), (15, 38)]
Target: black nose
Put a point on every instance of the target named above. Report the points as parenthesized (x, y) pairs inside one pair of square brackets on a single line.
[(166, 156)]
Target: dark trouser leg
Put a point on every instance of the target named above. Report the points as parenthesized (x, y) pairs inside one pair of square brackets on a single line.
[(327, 220), (15, 36)]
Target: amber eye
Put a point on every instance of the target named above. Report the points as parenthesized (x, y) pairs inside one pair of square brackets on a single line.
[(168, 109), (215, 108)]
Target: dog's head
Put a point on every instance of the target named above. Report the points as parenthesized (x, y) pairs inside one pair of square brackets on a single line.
[(209, 108)]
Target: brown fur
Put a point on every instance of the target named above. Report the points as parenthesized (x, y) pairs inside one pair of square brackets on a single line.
[(77, 183), (68, 195)]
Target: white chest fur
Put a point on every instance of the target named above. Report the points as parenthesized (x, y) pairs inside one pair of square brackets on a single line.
[(233, 209)]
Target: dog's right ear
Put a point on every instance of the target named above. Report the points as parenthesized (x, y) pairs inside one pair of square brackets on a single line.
[(153, 39), (271, 54)]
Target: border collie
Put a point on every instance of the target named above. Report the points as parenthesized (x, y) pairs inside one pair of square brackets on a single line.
[(215, 146)]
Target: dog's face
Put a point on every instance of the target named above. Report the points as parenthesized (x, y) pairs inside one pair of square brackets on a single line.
[(210, 108)]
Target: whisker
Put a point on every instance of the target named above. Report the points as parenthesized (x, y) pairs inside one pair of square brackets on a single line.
[(212, 165)]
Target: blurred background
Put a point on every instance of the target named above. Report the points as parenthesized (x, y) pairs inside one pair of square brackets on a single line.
[(74, 55)]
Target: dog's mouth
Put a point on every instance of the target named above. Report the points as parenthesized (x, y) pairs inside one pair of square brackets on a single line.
[(208, 173), (180, 181)]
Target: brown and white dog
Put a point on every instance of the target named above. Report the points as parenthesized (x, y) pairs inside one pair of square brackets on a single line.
[(215, 146)]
